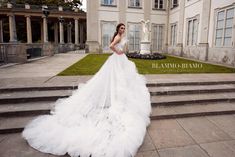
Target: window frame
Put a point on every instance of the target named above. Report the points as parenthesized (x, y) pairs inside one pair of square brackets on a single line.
[(174, 5), (222, 45), (135, 7), (158, 46), (102, 22), (163, 5), (128, 27), (108, 5), (190, 39)]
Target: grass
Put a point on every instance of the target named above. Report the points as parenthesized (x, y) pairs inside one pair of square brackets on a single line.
[(90, 64)]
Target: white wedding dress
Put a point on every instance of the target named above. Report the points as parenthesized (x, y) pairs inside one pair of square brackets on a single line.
[(105, 117)]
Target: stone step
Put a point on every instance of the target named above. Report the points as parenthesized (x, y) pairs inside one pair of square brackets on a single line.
[(149, 84), (36, 88), (31, 96), (192, 110), (13, 124), (191, 89), (44, 107), (26, 109), (191, 98), (189, 93), (156, 100), (186, 83)]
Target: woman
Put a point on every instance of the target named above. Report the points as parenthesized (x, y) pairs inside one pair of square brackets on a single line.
[(105, 117)]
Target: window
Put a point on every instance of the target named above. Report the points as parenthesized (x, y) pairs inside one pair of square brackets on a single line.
[(108, 2), (134, 3), (158, 4), (157, 37), (134, 37), (224, 27), (173, 34), (108, 29), (174, 3), (192, 31)]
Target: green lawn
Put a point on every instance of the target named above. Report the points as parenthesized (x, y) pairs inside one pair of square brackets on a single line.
[(90, 64)]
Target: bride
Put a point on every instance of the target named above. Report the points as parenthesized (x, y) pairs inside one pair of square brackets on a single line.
[(105, 117)]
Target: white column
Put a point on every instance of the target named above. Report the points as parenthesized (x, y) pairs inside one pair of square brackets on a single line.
[(181, 23), (41, 26), (12, 28), (1, 32), (81, 33), (61, 33), (166, 33), (56, 32), (76, 31), (29, 29), (45, 29), (205, 21), (69, 32)]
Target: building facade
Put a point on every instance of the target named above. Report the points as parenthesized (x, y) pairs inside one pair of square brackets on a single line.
[(198, 29), (29, 31)]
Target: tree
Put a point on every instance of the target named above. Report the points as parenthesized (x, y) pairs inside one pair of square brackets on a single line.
[(75, 3), (70, 4)]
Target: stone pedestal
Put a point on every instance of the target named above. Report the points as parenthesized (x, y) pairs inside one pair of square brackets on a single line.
[(48, 49), (145, 47), (16, 53)]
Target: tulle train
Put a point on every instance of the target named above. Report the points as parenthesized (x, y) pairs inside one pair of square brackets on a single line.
[(105, 117)]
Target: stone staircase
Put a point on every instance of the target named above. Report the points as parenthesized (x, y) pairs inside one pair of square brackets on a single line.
[(169, 100)]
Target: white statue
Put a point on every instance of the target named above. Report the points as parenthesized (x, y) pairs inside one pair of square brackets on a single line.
[(145, 41), (146, 30)]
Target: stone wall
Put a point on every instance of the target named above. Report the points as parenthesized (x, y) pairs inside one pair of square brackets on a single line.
[(93, 47), (17, 52), (175, 50), (195, 52), (222, 55), (13, 53)]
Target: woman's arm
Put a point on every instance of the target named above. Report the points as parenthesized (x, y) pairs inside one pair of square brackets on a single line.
[(112, 45)]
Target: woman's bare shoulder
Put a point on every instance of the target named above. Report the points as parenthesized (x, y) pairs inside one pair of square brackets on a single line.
[(117, 38)]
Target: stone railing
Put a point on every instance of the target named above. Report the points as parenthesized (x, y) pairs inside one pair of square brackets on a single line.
[(3, 54), (15, 53), (21, 52)]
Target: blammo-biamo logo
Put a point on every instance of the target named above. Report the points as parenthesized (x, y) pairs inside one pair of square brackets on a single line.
[(177, 65)]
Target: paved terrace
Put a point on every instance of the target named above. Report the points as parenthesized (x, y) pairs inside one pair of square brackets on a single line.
[(204, 136), (43, 73)]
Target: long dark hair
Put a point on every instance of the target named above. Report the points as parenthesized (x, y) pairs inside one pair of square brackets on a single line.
[(117, 29)]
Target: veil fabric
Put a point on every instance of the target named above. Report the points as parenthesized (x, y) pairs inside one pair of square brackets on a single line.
[(105, 117)]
